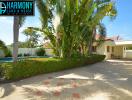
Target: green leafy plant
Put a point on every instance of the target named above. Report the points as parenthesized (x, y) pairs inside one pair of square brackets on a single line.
[(31, 67), (1, 70), (27, 54), (78, 23), (40, 52), (20, 55), (8, 53)]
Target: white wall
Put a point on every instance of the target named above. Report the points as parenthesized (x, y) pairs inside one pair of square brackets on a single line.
[(102, 49), (128, 54), (118, 50), (49, 52), (32, 51), (1, 53)]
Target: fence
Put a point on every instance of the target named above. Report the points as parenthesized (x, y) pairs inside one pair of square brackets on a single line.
[(32, 51), (1, 53), (128, 54)]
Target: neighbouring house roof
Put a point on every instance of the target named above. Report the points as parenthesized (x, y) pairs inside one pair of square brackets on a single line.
[(114, 38), (99, 36)]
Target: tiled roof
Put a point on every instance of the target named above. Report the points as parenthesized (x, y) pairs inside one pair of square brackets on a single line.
[(114, 38)]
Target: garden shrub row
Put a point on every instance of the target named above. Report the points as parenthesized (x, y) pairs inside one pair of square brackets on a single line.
[(1, 70), (28, 68)]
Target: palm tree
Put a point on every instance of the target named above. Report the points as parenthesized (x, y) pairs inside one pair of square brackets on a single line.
[(18, 22), (82, 19), (46, 16), (101, 9), (78, 22)]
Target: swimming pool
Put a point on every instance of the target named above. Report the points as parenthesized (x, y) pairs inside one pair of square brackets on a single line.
[(10, 59), (7, 59)]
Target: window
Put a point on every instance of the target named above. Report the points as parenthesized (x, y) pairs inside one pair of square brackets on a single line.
[(108, 49), (94, 48)]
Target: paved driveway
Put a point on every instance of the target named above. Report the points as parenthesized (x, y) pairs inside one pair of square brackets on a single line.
[(109, 80)]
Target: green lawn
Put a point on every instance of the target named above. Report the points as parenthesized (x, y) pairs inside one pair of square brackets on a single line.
[(44, 59)]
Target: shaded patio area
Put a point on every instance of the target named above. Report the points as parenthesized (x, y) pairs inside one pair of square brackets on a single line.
[(109, 80)]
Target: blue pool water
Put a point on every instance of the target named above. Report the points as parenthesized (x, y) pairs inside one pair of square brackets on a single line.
[(9, 59), (6, 59)]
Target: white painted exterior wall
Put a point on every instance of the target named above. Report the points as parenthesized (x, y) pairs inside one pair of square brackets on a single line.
[(32, 51), (119, 49), (128, 54), (1, 53), (102, 49), (49, 52)]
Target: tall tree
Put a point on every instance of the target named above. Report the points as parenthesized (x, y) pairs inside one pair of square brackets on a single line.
[(3, 46), (33, 37), (78, 22), (46, 16)]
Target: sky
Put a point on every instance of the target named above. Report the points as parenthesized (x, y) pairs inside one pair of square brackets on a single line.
[(121, 26)]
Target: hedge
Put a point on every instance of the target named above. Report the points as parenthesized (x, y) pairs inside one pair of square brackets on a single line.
[(28, 68)]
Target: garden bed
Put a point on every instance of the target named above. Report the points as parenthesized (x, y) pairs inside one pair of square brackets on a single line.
[(36, 66)]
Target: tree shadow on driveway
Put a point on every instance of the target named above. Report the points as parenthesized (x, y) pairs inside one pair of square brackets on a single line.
[(107, 80)]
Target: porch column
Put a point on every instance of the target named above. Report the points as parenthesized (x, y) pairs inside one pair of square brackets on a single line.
[(124, 51)]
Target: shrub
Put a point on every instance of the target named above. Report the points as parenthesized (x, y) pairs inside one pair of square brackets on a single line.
[(19, 55), (1, 70), (40, 52), (76, 54), (27, 54), (8, 53), (23, 69)]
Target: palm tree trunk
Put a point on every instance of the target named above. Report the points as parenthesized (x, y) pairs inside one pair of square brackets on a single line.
[(15, 36), (91, 41)]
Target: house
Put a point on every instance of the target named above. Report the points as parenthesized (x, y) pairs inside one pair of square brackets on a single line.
[(114, 48)]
